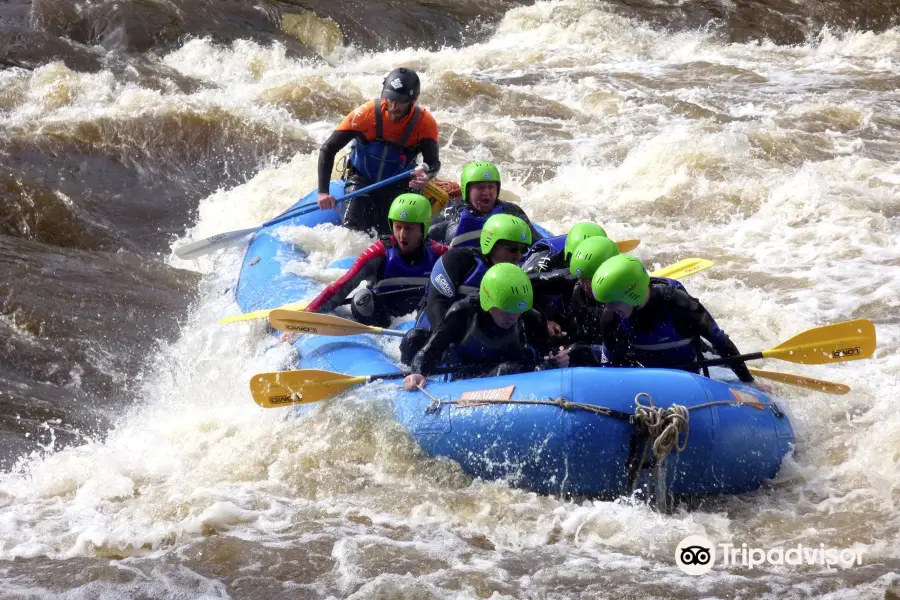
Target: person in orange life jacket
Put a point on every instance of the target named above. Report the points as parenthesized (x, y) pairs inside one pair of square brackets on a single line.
[(460, 223), (504, 239), (654, 322), (396, 268), (493, 331), (387, 134)]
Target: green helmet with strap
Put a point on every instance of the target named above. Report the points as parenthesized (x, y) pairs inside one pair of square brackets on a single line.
[(507, 287), (411, 208), (476, 172), (579, 233), (504, 227), (590, 254), (622, 278)]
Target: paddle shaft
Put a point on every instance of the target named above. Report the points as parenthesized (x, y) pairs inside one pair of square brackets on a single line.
[(400, 374), (198, 248), (301, 210), (348, 300), (724, 361)]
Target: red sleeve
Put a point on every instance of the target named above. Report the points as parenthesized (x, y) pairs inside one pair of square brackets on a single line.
[(365, 267), (439, 248)]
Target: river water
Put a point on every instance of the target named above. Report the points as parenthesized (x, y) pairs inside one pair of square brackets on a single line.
[(135, 464)]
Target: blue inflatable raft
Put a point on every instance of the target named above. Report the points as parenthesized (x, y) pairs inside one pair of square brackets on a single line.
[(565, 431)]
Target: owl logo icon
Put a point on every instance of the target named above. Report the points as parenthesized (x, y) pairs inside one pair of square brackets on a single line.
[(695, 555)]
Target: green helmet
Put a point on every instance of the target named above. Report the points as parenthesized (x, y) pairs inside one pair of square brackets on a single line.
[(621, 279), (475, 172), (579, 233), (410, 208), (590, 254), (504, 227), (507, 287)]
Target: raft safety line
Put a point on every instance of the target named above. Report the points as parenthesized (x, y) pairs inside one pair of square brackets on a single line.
[(562, 403), (663, 426)]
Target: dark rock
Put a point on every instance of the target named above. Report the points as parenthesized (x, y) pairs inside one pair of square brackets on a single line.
[(76, 327), (28, 49)]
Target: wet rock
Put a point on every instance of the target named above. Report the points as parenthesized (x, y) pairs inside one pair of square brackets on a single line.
[(140, 178), (30, 49), (782, 21), (383, 24), (32, 211), (137, 26), (76, 327)]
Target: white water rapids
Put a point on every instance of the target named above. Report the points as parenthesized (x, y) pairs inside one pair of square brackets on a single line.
[(781, 164)]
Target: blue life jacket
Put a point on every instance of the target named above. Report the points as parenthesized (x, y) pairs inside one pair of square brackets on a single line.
[(660, 344), (382, 158), (468, 231), (441, 281), (422, 321), (399, 274)]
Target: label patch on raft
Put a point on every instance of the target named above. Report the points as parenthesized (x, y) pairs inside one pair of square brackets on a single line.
[(748, 399), (479, 397)]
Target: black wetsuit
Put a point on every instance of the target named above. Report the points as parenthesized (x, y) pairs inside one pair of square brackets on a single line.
[(469, 337)]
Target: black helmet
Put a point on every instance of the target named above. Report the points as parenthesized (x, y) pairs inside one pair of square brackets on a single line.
[(401, 85)]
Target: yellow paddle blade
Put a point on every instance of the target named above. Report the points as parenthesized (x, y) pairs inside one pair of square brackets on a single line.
[(850, 340), (438, 196), (683, 268), (508, 196), (308, 322), (628, 245), (262, 314), (820, 385), (286, 388)]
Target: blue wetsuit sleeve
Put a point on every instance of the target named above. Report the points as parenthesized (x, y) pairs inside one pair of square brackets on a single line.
[(448, 274)]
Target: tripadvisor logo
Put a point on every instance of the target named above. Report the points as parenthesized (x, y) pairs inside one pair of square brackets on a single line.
[(696, 555)]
